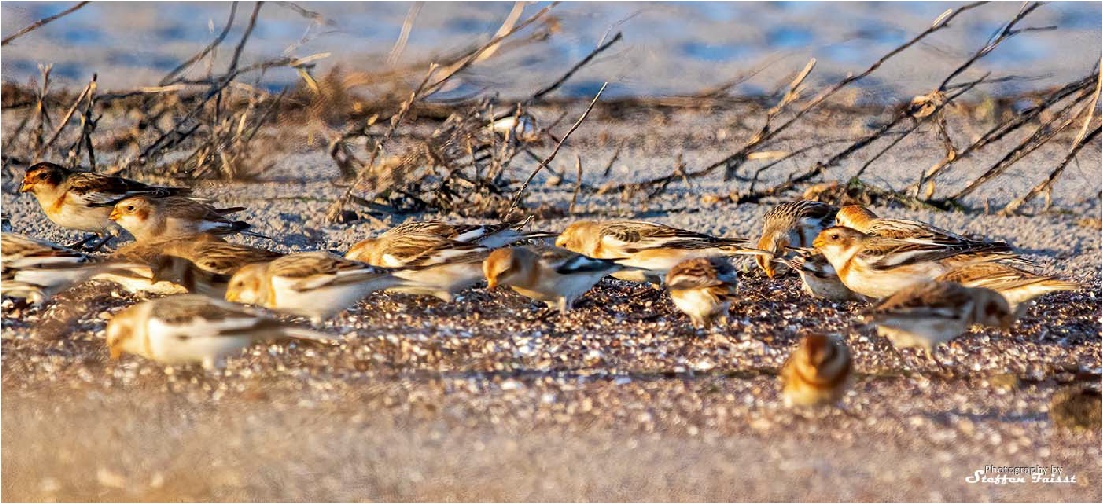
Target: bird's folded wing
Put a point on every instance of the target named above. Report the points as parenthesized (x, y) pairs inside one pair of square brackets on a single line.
[(583, 264)]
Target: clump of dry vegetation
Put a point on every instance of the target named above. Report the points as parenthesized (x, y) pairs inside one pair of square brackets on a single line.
[(221, 126)]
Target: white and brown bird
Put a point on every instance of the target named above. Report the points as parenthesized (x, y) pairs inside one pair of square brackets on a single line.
[(83, 200), (312, 284), (703, 288), (552, 275), (878, 267), (819, 279), (817, 372), (652, 249), (490, 236), (793, 224), (409, 249), (36, 270), (206, 266), (1019, 287), (441, 267), (189, 328), (156, 219), (926, 314), (150, 255), (864, 220)]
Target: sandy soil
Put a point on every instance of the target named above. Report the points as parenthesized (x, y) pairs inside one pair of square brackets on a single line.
[(621, 400)]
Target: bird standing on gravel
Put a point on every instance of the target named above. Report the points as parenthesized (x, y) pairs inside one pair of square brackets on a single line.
[(703, 289), (205, 266), (1017, 286), (553, 275), (792, 224), (156, 219), (878, 267), (441, 267), (37, 270), (312, 284), (930, 313), (862, 219), (653, 249), (189, 328), (817, 372), (408, 249), (82, 200), (487, 235)]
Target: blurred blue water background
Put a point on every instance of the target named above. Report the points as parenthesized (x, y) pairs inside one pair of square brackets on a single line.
[(668, 48)]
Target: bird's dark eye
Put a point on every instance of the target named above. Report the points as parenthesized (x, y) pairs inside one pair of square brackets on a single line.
[(130, 208), (835, 236)]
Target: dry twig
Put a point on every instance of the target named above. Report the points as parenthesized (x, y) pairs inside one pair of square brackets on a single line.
[(42, 22), (1046, 186), (169, 78), (543, 164), (577, 185), (733, 161), (404, 35), (559, 82)]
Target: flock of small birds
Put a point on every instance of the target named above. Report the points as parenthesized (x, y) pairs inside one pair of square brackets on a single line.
[(925, 285)]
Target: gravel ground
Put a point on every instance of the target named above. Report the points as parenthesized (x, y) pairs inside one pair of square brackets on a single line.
[(620, 400)]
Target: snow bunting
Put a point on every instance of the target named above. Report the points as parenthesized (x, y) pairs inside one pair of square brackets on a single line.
[(553, 275), (381, 250), (155, 219), (82, 200), (792, 224), (878, 267), (149, 254), (441, 267), (205, 267), (819, 279), (930, 313), (409, 249), (703, 288), (862, 219), (817, 372), (191, 328), (312, 284), (653, 249), (1017, 286), (487, 235), (37, 270)]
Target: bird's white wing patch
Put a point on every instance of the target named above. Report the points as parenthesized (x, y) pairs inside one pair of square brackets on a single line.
[(472, 235), (390, 261)]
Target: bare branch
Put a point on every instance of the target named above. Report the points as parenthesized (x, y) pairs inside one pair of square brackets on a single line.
[(336, 211), (1002, 35), (68, 115), (471, 57), (1002, 130), (544, 163), (506, 28), (559, 82), (578, 183), (244, 38), (404, 35), (1046, 185), (734, 160), (167, 79), (1042, 135), (42, 22)]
